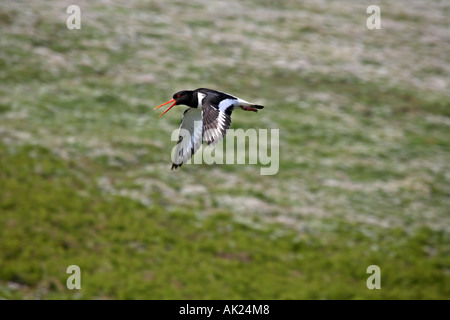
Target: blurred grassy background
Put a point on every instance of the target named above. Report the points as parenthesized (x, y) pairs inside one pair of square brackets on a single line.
[(364, 150)]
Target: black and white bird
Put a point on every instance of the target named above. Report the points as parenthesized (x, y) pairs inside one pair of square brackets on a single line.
[(207, 119)]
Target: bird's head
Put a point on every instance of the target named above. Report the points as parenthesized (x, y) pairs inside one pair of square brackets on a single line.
[(182, 97)]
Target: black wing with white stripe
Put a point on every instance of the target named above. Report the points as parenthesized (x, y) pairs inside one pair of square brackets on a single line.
[(190, 137), (216, 121)]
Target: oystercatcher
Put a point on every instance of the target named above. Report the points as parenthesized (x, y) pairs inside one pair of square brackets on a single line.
[(207, 119)]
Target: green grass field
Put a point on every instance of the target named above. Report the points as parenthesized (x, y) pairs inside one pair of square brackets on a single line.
[(364, 167)]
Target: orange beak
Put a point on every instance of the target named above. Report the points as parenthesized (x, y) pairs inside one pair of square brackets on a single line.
[(172, 100)]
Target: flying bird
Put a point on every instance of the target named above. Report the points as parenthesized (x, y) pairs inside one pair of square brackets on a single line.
[(207, 119)]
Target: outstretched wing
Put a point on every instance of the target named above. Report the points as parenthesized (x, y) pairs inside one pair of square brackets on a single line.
[(190, 137), (216, 119)]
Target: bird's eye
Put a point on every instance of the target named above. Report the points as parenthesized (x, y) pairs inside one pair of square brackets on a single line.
[(178, 96)]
